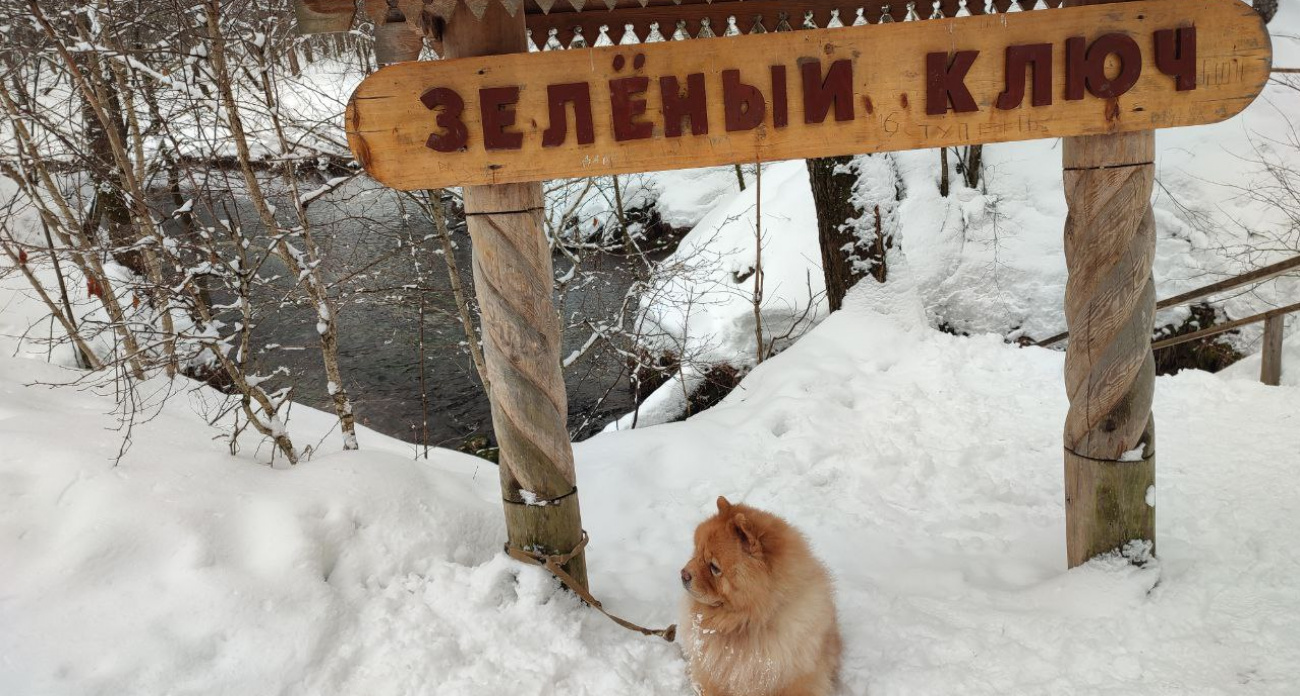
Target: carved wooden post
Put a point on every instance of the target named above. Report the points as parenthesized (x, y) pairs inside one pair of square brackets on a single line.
[(1109, 367), (521, 331), (1110, 242), (324, 16), (1270, 366)]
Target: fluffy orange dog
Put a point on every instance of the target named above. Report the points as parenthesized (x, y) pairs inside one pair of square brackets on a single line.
[(759, 617)]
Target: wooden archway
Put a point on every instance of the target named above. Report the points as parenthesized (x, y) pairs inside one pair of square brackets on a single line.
[(1109, 435)]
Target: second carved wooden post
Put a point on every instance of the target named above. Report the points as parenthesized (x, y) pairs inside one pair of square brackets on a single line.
[(1109, 367), (521, 332)]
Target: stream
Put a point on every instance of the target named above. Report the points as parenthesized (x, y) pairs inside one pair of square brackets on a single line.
[(365, 233)]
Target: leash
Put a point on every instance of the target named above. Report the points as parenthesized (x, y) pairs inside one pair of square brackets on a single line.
[(554, 563)]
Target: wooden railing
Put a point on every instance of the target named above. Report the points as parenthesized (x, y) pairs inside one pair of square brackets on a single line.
[(1271, 367)]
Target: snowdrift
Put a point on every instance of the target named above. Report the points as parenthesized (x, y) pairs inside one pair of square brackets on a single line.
[(925, 468)]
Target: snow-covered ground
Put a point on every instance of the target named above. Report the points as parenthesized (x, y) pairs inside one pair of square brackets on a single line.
[(926, 469)]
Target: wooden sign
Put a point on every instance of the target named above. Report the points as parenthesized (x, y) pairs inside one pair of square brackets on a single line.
[(815, 93)]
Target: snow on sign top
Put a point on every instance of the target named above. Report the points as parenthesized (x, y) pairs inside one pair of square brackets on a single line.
[(816, 93)]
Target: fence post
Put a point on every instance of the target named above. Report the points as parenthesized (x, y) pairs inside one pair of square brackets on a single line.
[(521, 330), (1270, 367), (1109, 366)]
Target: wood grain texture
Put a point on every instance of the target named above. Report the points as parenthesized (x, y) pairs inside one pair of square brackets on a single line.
[(549, 529), (324, 16), (388, 125), (1270, 366), (521, 338), (396, 42), (1110, 300), (1107, 501)]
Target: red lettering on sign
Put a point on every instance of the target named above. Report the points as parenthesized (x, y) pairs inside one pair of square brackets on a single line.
[(1020, 60), (455, 135), (679, 105), (625, 107), (1076, 54), (1176, 56), (820, 94), (1088, 68), (496, 105), (578, 94), (780, 104), (1130, 65), (945, 82), (743, 105)]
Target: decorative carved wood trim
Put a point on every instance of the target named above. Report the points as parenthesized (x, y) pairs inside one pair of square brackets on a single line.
[(748, 15), (565, 19)]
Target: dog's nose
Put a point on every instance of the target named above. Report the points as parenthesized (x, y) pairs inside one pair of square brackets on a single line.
[(686, 576)]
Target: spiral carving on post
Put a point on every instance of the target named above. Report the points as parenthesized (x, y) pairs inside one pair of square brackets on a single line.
[(1109, 365), (521, 336), (1109, 306), (521, 346)]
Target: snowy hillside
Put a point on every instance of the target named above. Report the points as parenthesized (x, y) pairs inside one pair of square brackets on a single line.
[(926, 469), (991, 260)]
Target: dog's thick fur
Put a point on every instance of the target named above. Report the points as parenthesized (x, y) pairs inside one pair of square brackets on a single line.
[(759, 615)]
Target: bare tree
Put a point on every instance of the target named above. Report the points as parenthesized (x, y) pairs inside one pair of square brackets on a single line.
[(303, 262), (137, 287), (855, 199)]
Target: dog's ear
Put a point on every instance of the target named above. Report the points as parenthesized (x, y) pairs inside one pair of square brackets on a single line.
[(723, 505), (748, 535)]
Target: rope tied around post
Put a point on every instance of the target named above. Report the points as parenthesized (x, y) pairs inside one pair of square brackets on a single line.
[(553, 563)]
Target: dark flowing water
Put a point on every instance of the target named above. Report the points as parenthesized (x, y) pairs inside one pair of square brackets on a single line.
[(382, 247)]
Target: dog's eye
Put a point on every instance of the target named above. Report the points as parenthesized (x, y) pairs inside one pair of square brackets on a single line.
[(713, 568)]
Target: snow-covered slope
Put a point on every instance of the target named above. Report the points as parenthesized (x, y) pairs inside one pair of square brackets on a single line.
[(925, 468), (186, 570), (703, 304), (992, 260)]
